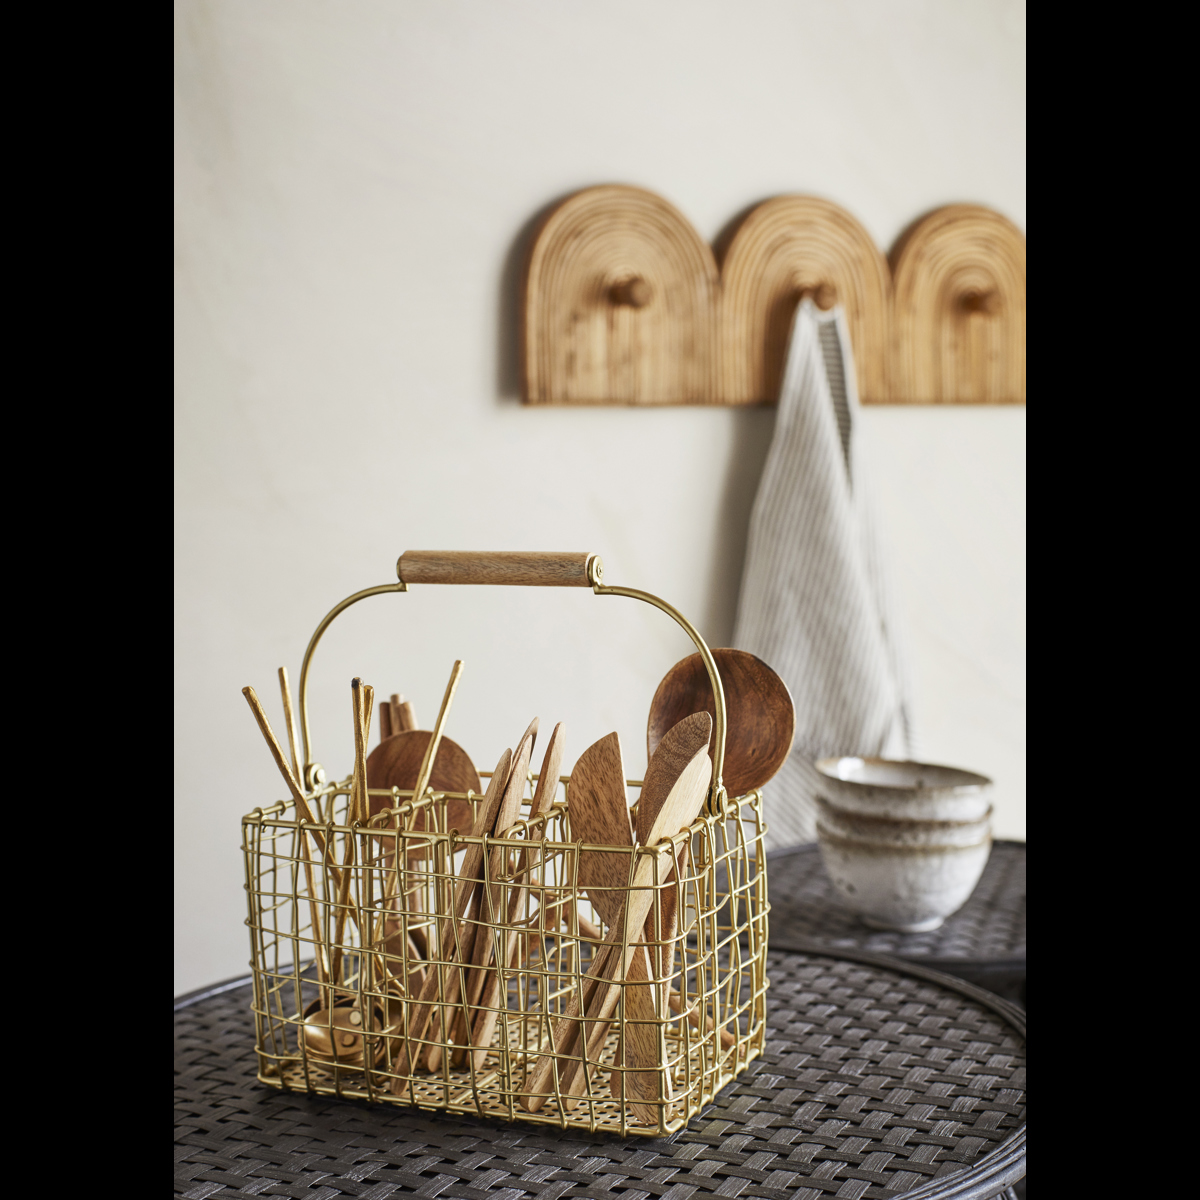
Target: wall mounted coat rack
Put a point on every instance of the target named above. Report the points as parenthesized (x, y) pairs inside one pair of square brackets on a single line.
[(624, 303)]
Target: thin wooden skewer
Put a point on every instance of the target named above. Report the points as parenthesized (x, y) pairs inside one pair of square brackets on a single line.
[(305, 814)]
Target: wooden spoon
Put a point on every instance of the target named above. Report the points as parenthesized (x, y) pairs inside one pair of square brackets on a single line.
[(759, 712), (678, 811), (396, 762)]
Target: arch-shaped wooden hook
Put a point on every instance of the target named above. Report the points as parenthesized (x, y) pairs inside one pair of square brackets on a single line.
[(634, 292)]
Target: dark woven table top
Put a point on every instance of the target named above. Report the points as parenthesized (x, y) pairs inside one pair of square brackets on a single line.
[(880, 1079), (984, 941)]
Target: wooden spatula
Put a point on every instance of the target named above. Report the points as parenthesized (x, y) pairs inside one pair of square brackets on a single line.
[(678, 811), (600, 815), (489, 999), (481, 939), (678, 747), (442, 977)]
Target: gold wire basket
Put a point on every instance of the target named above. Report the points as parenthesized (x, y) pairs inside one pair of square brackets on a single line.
[(347, 920)]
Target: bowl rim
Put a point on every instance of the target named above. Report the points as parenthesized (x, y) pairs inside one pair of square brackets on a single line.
[(832, 837), (973, 785), (880, 819)]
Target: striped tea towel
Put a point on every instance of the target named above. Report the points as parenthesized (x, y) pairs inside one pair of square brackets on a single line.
[(814, 602)]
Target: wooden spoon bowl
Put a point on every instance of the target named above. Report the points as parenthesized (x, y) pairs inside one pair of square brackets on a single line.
[(758, 706), (396, 762)]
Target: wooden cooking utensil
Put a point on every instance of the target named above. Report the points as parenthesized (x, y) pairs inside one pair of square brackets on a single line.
[(758, 707), (395, 716), (600, 815), (563, 912), (404, 716), (424, 771), (678, 747), (483, 942), (489, 998), (442, 979), (679, 810), (396, 763)]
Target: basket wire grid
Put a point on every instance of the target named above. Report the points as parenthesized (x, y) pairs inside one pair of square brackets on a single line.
[(346, 918)]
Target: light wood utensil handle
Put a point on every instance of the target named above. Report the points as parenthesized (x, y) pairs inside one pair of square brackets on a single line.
[(519, 569), (404, 716)]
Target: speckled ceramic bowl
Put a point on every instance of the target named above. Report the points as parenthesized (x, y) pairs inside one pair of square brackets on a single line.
[(912, 888), (904, 843), (904, 791)]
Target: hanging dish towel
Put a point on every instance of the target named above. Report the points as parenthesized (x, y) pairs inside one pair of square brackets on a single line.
[(815, 602)]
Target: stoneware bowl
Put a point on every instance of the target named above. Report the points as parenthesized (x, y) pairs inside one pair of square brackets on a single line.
[(909, 888), (904, 791), (889, 832)]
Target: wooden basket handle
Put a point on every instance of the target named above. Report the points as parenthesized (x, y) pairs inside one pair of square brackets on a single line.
[(533, 568)]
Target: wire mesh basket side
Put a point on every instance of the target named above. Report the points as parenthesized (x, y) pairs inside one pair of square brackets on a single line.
[(346, 928)]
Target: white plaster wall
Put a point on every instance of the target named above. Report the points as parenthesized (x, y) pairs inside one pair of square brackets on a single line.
[(354, 184)]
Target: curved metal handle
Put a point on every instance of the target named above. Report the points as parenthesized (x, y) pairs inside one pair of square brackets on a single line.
[(533, 569)]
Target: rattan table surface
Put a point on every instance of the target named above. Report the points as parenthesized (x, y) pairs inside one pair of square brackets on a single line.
[(880, 1079), (983, 942)]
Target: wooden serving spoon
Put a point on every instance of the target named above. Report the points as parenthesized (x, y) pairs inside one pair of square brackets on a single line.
[(759, 712), (396, 763)]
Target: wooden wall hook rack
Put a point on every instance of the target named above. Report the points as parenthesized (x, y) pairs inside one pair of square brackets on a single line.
[(624, 303)]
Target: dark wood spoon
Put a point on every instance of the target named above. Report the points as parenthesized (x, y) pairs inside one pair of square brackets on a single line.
[(759, 713), (396, 762)]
